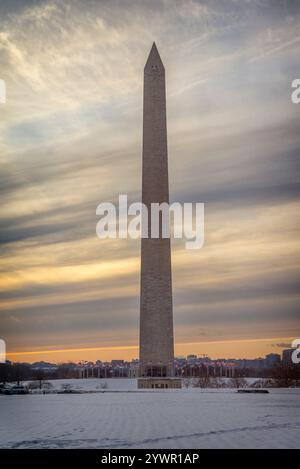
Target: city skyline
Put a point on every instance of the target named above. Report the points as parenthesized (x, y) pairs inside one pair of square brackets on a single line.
[(95, 353), (188, 358), (71, 138)]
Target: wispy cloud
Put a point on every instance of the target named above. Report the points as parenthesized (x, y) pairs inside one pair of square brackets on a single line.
[(71, 138)]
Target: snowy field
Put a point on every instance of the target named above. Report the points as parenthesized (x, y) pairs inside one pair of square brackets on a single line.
[(186, 418)]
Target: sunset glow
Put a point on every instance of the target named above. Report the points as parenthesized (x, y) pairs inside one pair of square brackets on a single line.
[(71, 138)]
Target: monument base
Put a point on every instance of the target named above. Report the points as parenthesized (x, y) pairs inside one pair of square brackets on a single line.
[(159, 383)]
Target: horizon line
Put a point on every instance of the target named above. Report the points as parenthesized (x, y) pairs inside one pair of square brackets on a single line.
[(133, 347)]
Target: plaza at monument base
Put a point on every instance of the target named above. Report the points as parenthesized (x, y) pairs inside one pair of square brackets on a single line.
[(159, 383)]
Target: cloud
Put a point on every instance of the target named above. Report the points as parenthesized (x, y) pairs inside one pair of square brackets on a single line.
[(282, 345), (71, 138)]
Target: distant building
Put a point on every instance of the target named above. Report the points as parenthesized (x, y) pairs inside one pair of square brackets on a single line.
[(44, 366), (117, 362), (180, 361), (192, 359), (254, 363), (133, 371), (287, 356), (272, 360)]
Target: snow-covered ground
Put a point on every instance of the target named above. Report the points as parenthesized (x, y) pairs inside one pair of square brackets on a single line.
[(186, 418), (95, 384)]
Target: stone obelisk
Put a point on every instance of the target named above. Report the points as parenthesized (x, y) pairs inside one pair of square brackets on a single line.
[(156, 312)]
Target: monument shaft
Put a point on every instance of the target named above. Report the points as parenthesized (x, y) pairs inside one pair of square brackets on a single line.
[(156, 312)]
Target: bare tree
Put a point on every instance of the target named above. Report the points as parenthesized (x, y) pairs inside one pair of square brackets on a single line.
[(186, 382), (238, 383), (216, 383), (204, 382), (287, 375), (45, 386), (40, 377), (66, 387)]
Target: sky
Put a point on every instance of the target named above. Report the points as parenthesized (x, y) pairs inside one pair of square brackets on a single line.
[(71, 138)]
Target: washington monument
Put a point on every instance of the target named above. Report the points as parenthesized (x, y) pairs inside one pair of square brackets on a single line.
[(156, 311)]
